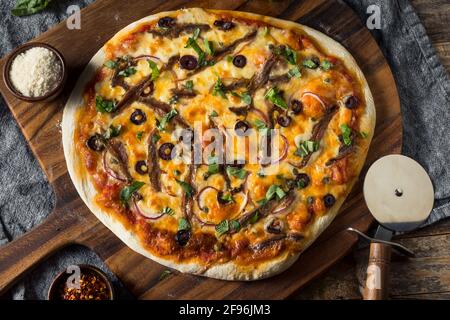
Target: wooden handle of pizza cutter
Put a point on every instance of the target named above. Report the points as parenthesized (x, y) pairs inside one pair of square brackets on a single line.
[(377, 280), (22, 254)]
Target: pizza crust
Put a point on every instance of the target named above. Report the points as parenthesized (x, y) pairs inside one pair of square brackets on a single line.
[(229, 270)]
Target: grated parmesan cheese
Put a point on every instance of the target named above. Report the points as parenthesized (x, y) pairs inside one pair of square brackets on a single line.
[(36, 72)]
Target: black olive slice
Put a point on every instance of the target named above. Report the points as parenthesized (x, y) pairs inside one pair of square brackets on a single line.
[(284, 120), (182, 237), (166, 22), (165, 151), (138, 117), (351, 102), (96, 143), (239, 61), (241, 127), (224, 25), (296, 106), (141, 167), (329, 200), (188, 62)]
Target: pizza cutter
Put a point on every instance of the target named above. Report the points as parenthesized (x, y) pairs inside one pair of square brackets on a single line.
[(400, 196)]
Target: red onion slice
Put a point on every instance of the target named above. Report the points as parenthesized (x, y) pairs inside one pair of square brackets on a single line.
[(200, 194), (315, 96), (145, 56), (283, 153), (109, 171), (144, 213)]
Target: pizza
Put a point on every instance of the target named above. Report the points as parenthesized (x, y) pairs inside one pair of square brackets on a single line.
[(218, 143)]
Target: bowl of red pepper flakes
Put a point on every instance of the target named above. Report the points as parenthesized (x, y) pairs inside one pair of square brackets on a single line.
[(87, 283)]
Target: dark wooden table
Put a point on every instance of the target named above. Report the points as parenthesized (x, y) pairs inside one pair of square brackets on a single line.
[(427, 276)]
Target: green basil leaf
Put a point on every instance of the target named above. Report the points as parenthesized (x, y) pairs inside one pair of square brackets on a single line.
[(183, 224), (169, 211), (246, 98), (290, 55), (239, 173), (209, 47), (294, 72), (104, 105), (234, 225), (219, 89), (155, 70), (326, 65), (166, 119), (127, 72), (310, 64), (196, 33), (139, 135), (187, 188), (29, 7), (275, 190), (214, 114), (273, 96), (189, 85), (222, 228), (112, 132), (346, 134), (127, 192), (110, 64), (227, 198)]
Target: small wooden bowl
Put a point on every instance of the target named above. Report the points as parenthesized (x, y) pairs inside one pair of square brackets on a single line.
[(53, 291), (49, 96)]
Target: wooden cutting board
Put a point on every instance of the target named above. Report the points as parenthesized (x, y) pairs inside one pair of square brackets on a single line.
[(71, 221)]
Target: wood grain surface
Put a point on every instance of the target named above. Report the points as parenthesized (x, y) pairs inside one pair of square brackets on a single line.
[(73, 223)]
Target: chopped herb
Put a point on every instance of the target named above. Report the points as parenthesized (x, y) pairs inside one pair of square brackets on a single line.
[(187, 188), (128, 191), (236, 172), (174, 99), (255, 218), (155, 70), (290, 55), (275, 190), (169, 211), (166, 119), (326, 65), (189, 85), (222, 228), (229, 58), (262, 202), (234, 225), (209, 47), (139, 135), (183, 224), (213, 166), (246, 98), (259, 124), (227, 198), (164, 274), (294, 72), (266, 31), (196, 33), (191, 43), (273, 96), (346, 134), (213, 114), (219, 89), (307, 147), (112, 132), (155, 138), (363, 134), (127, 72), (310, 64), (110, 64), (103, 105)]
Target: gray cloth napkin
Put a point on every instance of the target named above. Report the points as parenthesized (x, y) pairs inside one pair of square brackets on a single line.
[(422, 82)]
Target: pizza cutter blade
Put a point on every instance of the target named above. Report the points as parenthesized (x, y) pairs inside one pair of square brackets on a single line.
[(400, 196)]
